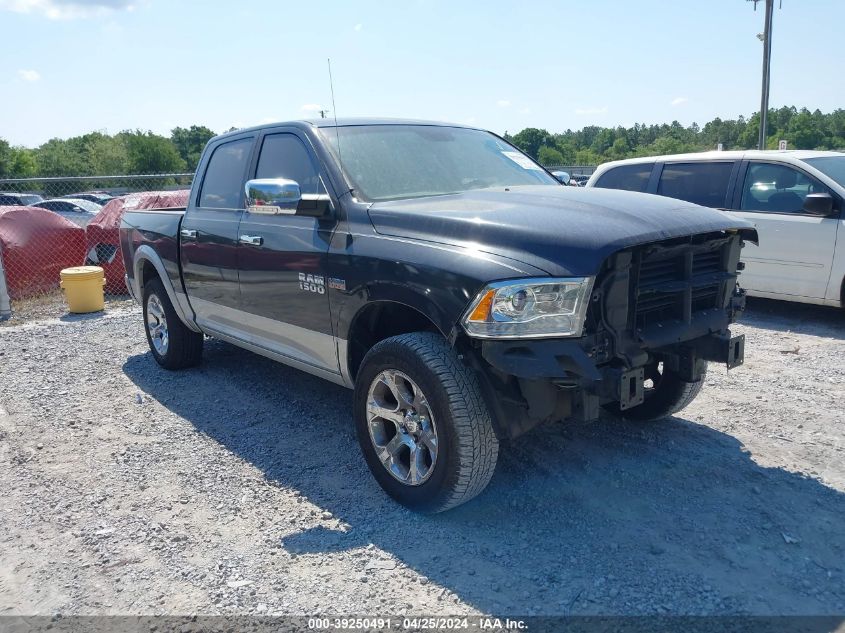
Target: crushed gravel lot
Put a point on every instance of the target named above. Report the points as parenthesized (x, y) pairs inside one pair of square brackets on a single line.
[(238, 487)]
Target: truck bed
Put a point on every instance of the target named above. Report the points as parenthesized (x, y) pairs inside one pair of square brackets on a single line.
[(157, 229)]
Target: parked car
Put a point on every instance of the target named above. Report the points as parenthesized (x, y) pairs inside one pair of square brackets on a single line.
[(462, 292), (794, 198), (7, 198), (36, 245), (100, 197), (78, 211)]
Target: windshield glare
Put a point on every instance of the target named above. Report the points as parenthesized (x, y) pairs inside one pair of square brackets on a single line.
[(391, 162), (831, 166)]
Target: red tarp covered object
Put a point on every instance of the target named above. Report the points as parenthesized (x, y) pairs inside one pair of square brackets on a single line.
[(103, 232), (36, 244)]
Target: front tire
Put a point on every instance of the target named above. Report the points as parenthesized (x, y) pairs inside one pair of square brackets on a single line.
[(665, 394), (172, 343), (422, 423)]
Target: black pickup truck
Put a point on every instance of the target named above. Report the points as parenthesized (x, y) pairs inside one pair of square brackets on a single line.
[(453, 283)]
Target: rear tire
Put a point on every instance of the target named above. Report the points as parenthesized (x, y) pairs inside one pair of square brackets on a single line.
[(422, 423), (172, 343), (667, 395)]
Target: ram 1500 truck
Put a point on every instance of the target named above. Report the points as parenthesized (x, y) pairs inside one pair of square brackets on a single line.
[(461, 291)]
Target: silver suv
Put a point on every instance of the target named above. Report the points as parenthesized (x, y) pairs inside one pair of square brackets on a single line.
[(794, 198)]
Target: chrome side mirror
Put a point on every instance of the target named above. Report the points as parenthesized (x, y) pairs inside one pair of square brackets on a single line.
[(272, 196), (278, 196), (562, 176)]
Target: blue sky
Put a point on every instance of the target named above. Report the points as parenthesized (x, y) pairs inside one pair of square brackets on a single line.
[(67, 68)]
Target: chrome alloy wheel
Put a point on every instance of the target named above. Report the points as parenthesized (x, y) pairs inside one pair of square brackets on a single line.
[(402, 427), (157, 325)]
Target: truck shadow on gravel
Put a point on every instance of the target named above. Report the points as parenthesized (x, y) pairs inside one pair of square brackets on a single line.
[(800, 318), (609, 518)]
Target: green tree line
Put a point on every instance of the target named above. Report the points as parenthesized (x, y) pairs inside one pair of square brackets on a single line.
[(98, 154), (592, 145), (140, 152)]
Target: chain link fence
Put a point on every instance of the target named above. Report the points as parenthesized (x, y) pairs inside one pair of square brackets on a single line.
[(48, 224)]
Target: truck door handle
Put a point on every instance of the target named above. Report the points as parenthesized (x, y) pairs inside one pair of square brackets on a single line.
[(188, 234), (254, 240)]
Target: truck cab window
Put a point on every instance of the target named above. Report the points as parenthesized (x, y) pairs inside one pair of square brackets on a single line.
[(285, 156), (700, 183), (777, 189), (224, 178), (627, 177)]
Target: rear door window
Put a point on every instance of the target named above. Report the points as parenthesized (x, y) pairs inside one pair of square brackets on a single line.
[(777, 188), (222, 186), (700, 183), (627, 177)]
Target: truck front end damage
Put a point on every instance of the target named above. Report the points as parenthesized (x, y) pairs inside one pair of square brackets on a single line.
[(654, 310)]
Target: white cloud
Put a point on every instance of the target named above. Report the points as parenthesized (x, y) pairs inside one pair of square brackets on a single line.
[(678, 101), (358, 27), (66, 9), (311, 107), (29, 75), (525, 111), (503, 103), (601, 110)]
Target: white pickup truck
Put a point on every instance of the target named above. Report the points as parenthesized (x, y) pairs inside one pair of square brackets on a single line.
[(794, 198)]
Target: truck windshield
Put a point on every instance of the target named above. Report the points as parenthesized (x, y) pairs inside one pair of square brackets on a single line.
[(391, 162), (831, 166)]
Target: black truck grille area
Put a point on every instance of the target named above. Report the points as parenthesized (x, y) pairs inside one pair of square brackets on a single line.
[(673, 284)]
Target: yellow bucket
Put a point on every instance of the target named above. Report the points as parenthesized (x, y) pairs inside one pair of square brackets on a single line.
[(83, 288)]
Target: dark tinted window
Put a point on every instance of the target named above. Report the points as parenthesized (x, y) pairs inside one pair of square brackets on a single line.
[(701, 183), (285, 156), (777, 188), (55, 205), (8, 200), (223, 184), (627, 177)]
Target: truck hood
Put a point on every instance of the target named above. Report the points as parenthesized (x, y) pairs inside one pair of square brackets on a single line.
[(561, 230)]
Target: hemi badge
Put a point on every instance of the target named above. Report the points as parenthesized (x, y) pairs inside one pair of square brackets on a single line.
[(337, 284)]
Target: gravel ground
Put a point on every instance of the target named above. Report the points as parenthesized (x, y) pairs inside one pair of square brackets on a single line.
[(237, 487)]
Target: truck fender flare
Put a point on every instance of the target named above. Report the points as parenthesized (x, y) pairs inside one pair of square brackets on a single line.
[(145, 253), (407, 296)]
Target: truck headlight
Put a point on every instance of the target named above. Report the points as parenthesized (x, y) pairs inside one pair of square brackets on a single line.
[(529, 308)]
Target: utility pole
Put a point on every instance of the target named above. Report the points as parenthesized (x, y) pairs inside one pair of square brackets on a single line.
[(767, 66)]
